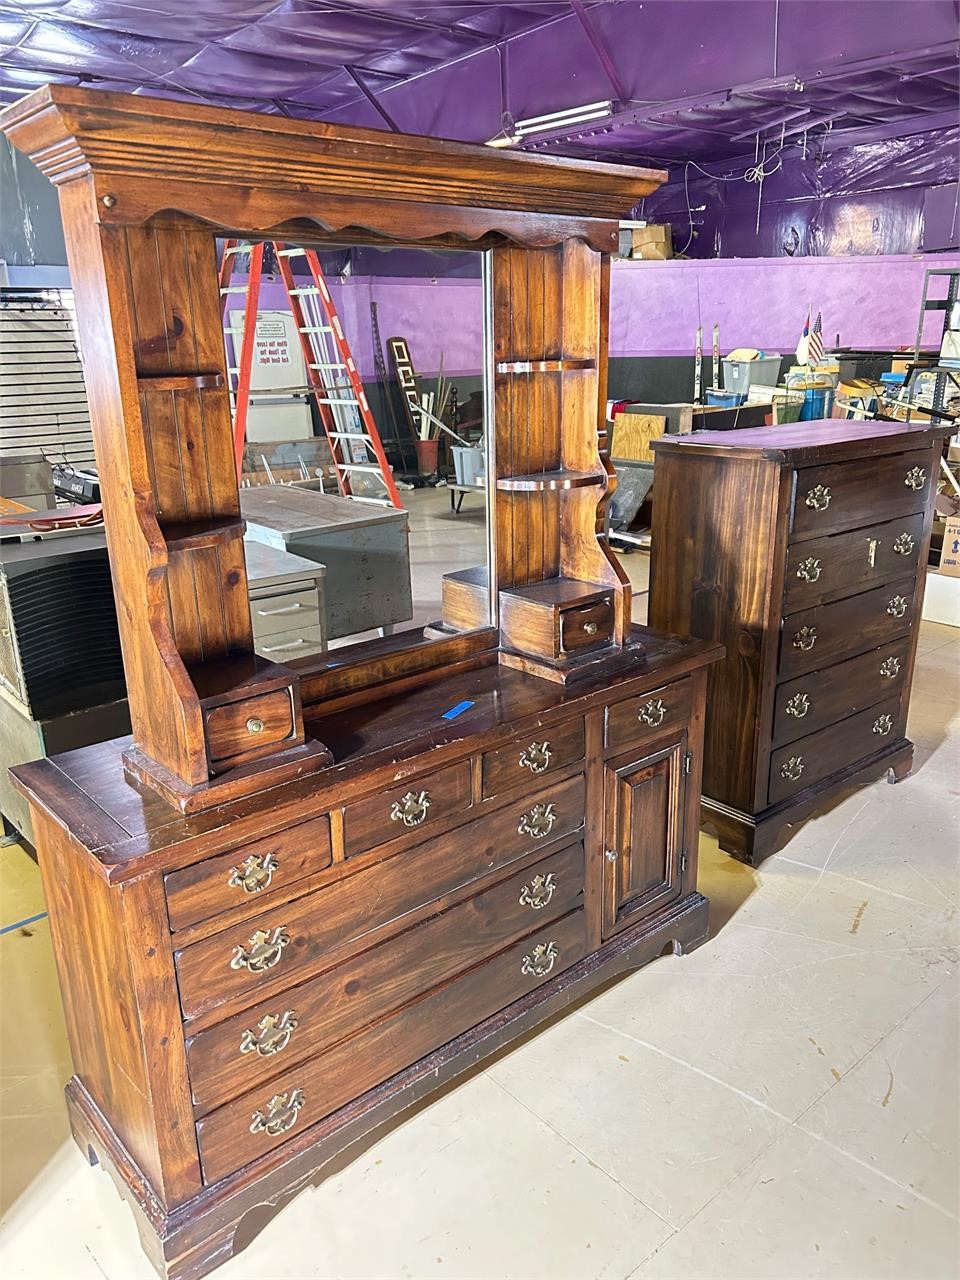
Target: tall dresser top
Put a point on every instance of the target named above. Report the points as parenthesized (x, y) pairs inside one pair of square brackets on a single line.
[(830, 439)]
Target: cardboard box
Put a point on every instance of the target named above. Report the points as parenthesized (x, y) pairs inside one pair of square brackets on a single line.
[(654, 243), (901, 364), (950, 555)]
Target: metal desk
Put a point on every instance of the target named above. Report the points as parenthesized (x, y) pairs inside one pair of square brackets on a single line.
[(365, 548)]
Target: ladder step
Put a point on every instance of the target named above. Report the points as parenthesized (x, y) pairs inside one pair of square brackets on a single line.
[(234, 288), (316, 328), (238, 248), (291, 253), (305, 291), (360, 466), (348, 435), (345, 401), (339, 365)]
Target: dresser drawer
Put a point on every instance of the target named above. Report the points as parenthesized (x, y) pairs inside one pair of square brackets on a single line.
[(841, 563), (290, 610), (248, 874), (528, 759), (639, 719), (586, 627), (844, 495), (241, 1053), (405, 812), (829, 633), (235, 728), (813, 701), (284, 944), (815, 757), (264, 1118)]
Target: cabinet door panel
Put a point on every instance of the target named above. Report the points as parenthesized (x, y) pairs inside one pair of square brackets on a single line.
[(643, 833)]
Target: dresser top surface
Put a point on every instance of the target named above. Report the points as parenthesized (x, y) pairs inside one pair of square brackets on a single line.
[(828, 439), (126, 826)]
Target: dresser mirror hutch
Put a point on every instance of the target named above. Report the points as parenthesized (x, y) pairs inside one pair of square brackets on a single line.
[(302, 896)]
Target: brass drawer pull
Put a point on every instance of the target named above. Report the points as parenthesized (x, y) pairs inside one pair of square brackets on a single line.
[(538, 821), (412, 809), (915, 478), (653, 712), (281, 1114), (883, 724), (809, 569), (819, 497), (903, 544), (536, 757), (590, 628), (271, 1036), (890, 667), (255, 725), (541, 960), (792, 769), (254, 873), (805, 639), (611, 855), (897, 607), (264, 951), (798, 705), (537, 894)]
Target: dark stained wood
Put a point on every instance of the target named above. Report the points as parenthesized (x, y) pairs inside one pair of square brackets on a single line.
[(814, 638), (372, 871), (524, 762), (837, 565), (800, 764), (355, 906), (190, 1241), (637, 720), (644, 821), (400, 817), (250, 873), (372, 985), (821, 698), (840, 497), (802, 596)]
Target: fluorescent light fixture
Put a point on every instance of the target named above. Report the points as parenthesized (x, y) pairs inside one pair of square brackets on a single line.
[(513, 131)]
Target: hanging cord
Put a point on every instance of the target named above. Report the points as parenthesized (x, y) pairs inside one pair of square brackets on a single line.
[(758, 172)]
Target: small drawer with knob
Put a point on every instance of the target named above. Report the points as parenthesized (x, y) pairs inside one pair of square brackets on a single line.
[(811, 702), (247, 875), (586, 627), (808, 760), (263, 1118), (822, 569), (251, 1046), (845, 495), (405, 811), (645, 717), (536, 755), (244, 728)]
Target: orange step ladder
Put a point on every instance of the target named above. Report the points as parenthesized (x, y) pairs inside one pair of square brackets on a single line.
[(333, 379)]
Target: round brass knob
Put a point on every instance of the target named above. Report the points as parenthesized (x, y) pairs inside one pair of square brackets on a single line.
[(254, 725)]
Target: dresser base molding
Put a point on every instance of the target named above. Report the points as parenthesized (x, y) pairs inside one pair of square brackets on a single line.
[(753, 837), (191, 1240)]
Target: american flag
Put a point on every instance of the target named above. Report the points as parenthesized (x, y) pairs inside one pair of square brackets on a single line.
[(815, 344)]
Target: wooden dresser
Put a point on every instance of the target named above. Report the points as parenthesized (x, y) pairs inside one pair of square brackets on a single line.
[(304, 894), (803, 549)]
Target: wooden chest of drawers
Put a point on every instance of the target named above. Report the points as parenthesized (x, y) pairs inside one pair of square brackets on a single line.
[(265, 983), (803, 549)]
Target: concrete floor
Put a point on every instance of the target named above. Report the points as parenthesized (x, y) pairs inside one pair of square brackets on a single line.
[(782, 1103)]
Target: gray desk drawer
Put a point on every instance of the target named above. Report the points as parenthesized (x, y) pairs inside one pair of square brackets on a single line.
[(285, 611), (295, 643)]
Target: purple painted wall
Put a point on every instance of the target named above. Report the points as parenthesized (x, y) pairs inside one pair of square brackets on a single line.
[(762, 302), (873, 302)]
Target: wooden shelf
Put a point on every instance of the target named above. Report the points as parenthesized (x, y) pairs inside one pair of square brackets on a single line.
[(545, 366), (191, 535), (543, 480), (180, 382)]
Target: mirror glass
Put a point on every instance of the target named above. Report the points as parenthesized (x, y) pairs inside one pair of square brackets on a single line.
[(361, 403)]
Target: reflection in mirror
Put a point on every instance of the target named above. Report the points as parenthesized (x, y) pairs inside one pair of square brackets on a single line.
[(359, 419)]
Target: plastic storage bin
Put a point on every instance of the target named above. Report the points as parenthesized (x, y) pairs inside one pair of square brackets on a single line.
[(739, 374), (468, 464)]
